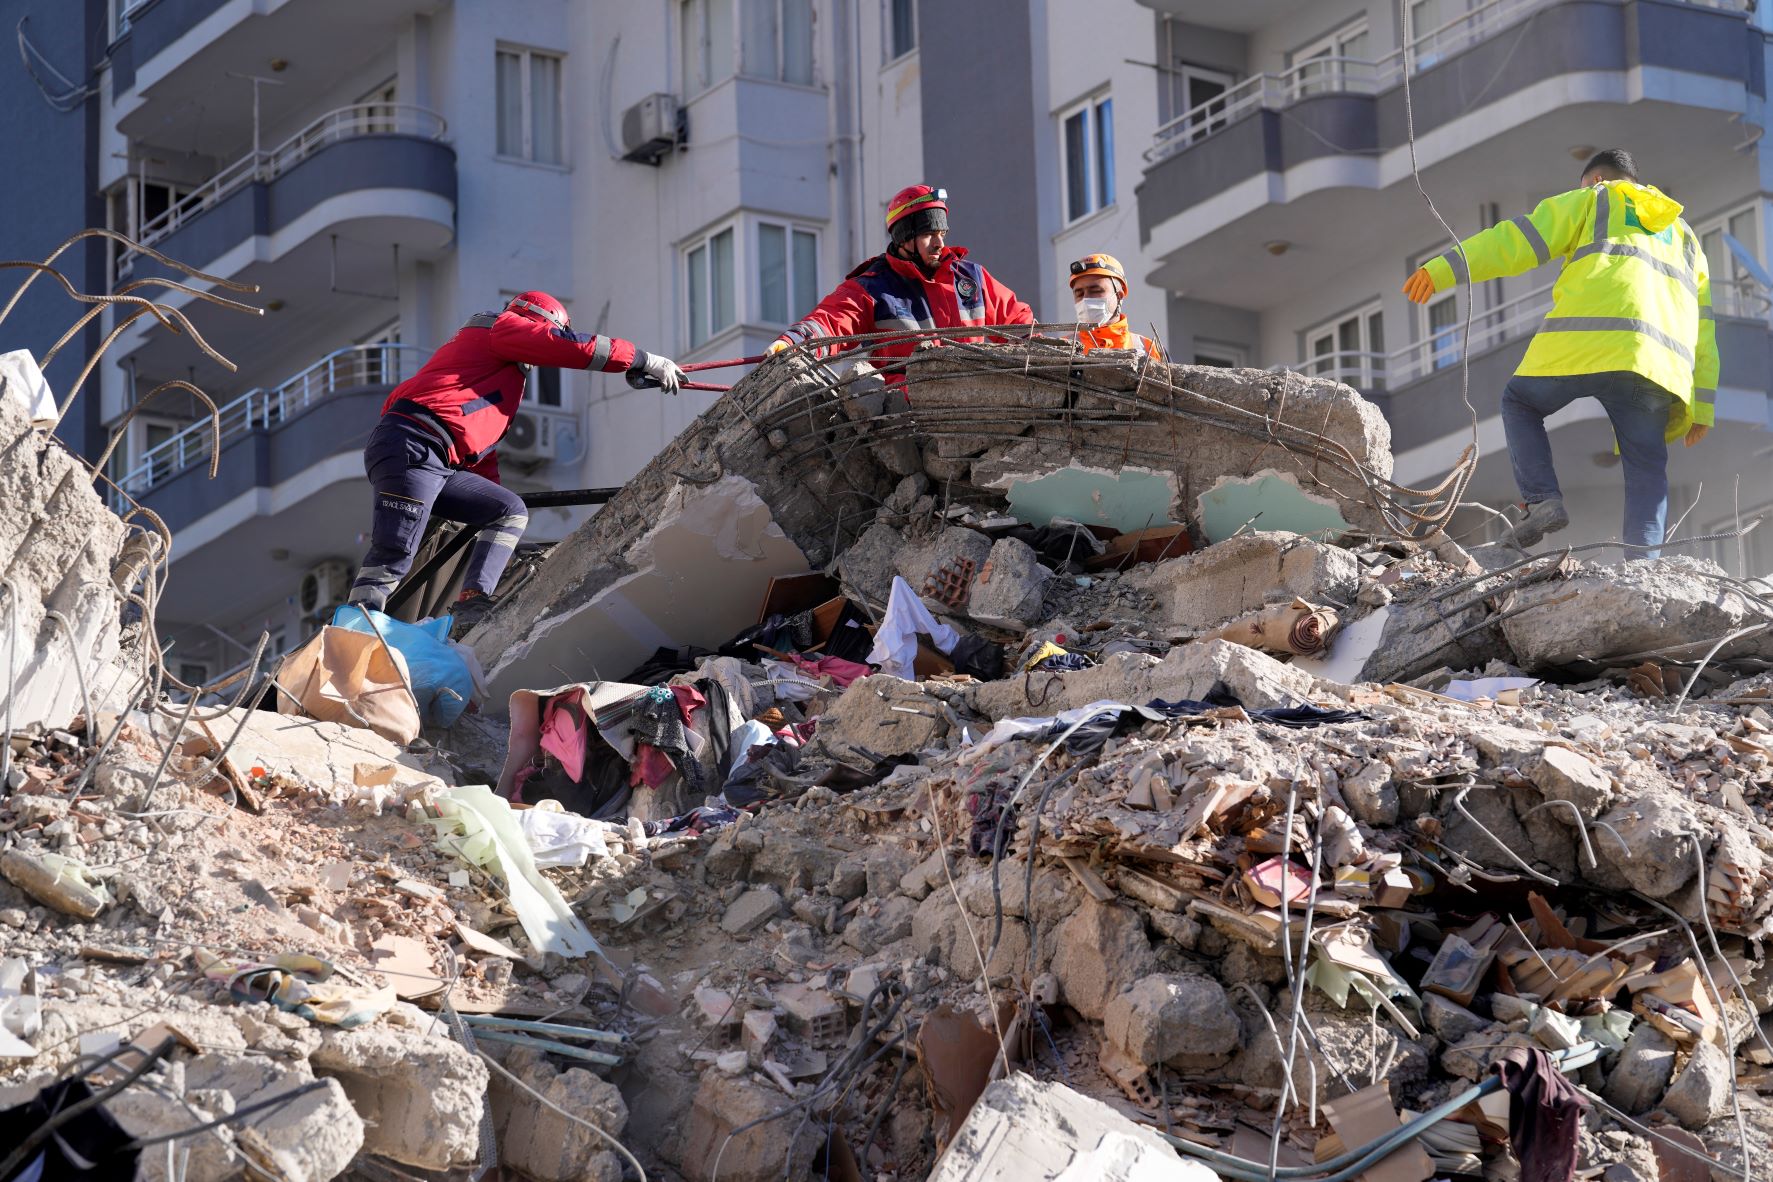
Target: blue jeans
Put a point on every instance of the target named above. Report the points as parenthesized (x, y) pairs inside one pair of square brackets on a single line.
[(406, 468), (1639, 410)]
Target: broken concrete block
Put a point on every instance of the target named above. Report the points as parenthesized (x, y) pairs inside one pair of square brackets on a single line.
[(313, 1137), (57, 882), (1563, 774), (542, 1144), (762, 1153), (791, 862), (1010, 586), (1241, 574), (1101, 948), (420, 1093), (1371, 795), (1449, 1020), (868, 567), (750, 911), (881, 715), (941, 570), (1627, 609), (1420, 635), (1172, 1018), (1642, 1070), (849, 878), (1022, 1130), (1654, 847), (1700, 1093), (1272, 498)]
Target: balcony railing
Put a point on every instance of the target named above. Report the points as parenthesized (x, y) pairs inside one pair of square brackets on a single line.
[(363, 119), (1339, 75), (1508, 321), (352, 367)]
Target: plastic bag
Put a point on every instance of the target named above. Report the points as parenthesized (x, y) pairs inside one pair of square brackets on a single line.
[(441, 680)]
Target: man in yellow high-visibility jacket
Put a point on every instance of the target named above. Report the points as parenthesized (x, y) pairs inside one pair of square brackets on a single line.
[(1630, 325)]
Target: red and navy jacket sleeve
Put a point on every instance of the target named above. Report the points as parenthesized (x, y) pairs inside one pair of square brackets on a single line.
[(531, 342), (847, 311), (1001, 304)]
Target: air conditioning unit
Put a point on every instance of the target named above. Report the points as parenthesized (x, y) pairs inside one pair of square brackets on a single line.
[(651, 128), (541, 435), (324, 587)]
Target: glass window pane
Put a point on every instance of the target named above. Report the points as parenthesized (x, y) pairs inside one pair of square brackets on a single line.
[(1376, 345), (797, 41), (691, 15), (904, 16), (1443, 332), (806, 270), (1348, 336), (720, 40), (509, 98), (772, 274), (759, 33), (697, 288), (1077, 163), (720, 281), (544, 108), (1105, 152)]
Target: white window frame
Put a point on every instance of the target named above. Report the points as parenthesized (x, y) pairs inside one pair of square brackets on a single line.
[(887, 56), (526, 118), (704, 35), (1235, 356), (1333, 46), (799, 302), (1368, 371), (781, 71), (1732, 302), (738, 228), (1187, 75), (1094, 158)]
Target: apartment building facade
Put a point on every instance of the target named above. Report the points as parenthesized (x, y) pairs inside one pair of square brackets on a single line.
[(1279, 210), (691, 174)]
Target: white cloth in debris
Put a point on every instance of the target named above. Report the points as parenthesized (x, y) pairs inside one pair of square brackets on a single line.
[(1008, 729), (895, 641), (1486, 687), (559, 838), (749, 735), (789, 682)]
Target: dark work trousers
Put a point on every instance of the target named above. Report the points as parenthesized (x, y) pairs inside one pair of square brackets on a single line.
[(412, 480)]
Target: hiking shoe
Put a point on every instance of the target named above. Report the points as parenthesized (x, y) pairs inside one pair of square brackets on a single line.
[(1543, 517), (466, 613)]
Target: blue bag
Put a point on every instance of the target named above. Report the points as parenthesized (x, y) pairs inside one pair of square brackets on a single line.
[(440, 677)]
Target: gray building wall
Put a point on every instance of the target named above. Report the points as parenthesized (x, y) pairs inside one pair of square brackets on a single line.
[(977, 83), (51, 193)]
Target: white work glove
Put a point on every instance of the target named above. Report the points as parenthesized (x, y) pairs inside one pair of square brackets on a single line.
[(654, 370)]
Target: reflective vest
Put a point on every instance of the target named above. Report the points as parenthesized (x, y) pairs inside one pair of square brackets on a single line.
[(1634, 293), (888, 294), (1117, 334)]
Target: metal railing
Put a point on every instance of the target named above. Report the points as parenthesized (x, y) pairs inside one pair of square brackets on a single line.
[(352, 367), (353, 122), (1339, 75)]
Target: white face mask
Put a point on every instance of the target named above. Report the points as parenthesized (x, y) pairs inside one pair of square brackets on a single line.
[(1093, 310)]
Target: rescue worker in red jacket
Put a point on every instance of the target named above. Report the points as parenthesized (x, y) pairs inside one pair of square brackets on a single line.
[(1099, 289), (435, 448), (919, 283)]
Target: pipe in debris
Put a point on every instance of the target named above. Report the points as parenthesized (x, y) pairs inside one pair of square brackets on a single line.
[(1459, 803), (558, 1028), (549, 1046), (1581, 826)]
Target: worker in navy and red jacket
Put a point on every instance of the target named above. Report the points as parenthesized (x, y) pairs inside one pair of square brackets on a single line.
[(435, 448), (919, 283)]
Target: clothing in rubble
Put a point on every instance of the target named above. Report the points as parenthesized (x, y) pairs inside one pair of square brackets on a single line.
[(895, 642), (785, 634), (1545, 1117), (658, 722), (666, 663), (90, 1146)]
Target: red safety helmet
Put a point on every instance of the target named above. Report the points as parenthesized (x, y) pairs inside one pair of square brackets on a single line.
[(919, 199), (539, 305)]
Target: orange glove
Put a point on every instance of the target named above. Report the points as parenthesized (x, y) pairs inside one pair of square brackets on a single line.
[(1419, 287), (776, 346), (1696, 432)]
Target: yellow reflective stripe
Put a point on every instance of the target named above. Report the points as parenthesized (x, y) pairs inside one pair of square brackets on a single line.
[(1626, 250), (1617, 324), (911, 204), (1534, 238)]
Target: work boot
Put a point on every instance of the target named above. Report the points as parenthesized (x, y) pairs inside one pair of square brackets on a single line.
[(1543, 517), (467, 613)]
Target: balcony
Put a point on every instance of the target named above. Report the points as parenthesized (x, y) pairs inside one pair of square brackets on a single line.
[(320, 222), (1501, 91), (290, 479)]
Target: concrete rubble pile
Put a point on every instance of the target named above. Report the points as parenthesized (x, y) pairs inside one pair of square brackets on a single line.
[(1044, 770)]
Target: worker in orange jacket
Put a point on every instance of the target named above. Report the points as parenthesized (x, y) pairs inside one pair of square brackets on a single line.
[(1099, 290)]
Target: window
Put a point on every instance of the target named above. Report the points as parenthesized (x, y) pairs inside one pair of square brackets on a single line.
[(380, 114), (1732, 245), (708, 284), (1428, 19), (1349, 349), (787, 272), (529, 106), (1194, 89), (901, 30), (1443, 332), (193, 672), (1088, 134), (1330, 63), (706, 27), (778, 40), (1218, 354), (379, 358)]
